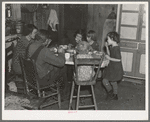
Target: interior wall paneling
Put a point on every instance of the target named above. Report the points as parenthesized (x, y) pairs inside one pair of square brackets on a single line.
[(90, 17)]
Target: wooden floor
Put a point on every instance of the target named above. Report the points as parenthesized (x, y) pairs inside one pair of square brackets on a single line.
[(131, 97)]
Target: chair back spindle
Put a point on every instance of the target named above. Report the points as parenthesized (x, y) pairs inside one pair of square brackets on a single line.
[(30, 75)]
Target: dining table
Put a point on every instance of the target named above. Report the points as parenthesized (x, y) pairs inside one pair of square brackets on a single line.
[(69, 56), (70, 60)]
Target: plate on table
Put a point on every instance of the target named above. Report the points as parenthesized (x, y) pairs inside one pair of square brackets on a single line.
[(98, 53), (70, 51)]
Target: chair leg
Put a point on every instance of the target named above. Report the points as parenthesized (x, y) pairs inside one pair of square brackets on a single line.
[(78, 98), (59, 97), (71, 96), (94, 99), (39, 93)]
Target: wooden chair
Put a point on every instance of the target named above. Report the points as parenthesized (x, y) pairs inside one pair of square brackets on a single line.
[(9, 74), (8, 57), (49, 94), (95, 63)]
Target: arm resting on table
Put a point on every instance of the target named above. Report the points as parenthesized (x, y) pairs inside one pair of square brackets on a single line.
[(51, 58)]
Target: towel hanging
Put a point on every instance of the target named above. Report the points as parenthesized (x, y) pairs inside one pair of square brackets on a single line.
[(53, 20)]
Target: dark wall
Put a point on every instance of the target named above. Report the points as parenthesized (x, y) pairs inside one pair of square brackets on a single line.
[(97, 14), (72, 17), (75, 17)]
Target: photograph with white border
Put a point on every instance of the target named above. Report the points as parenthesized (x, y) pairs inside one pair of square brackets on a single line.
[(62, 20)]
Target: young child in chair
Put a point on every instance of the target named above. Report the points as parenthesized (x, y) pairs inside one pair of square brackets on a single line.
[(84, 72)]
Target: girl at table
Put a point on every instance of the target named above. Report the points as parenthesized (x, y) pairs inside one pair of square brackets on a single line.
[(114, 72), (91, 39)]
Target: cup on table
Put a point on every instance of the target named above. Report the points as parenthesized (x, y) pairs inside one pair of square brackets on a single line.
[(67, 56)]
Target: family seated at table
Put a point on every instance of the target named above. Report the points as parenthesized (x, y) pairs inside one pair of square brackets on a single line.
[(50, 60)]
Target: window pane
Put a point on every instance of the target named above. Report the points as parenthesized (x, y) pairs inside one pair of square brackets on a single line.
[(134, 7), (142, 64), (129, 18), (127, 61), (143, 36), (128, 33), (144, 19)]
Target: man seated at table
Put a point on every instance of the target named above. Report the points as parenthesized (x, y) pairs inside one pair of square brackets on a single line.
[(49, 65)]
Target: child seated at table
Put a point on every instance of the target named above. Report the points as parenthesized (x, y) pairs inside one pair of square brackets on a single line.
[(84, 72), (91, 39)]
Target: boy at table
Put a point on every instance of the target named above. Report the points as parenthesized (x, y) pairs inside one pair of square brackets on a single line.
[(49, 65)]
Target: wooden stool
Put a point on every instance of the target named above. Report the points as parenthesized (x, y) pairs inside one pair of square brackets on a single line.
[(94, 63), (80, 96)]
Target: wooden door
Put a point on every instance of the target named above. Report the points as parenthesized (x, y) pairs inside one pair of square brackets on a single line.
[(131, 27)]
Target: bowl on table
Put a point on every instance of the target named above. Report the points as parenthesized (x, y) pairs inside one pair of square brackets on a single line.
[(71, 51), (98, 53), (64, 46), (53, 49)]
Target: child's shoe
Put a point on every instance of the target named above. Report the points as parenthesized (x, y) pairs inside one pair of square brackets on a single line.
[(109, 94), (113, 97)]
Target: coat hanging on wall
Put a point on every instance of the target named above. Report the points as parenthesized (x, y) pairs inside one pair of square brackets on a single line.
[(53, 26), (109, 25)]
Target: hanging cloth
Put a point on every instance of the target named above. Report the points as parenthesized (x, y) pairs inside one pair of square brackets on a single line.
[(53, 20), (109, 25), (16, 12)]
